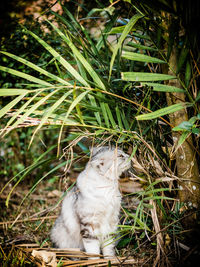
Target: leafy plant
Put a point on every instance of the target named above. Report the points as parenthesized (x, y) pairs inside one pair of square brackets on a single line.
[(99, 90)]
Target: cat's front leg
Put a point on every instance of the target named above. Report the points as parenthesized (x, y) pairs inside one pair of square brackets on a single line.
[(92, 246), (90, 241), (108, 249)]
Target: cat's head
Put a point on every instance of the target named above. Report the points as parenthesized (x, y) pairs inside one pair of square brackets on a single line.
[(109, 161)]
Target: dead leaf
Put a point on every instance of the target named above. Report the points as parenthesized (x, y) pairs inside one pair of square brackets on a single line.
[(128, 186), (48, 258), (54, 193)]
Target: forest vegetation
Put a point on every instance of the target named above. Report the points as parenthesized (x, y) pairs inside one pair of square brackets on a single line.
[(123, 73)]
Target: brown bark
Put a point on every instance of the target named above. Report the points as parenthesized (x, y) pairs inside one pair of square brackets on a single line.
[(186, 163)]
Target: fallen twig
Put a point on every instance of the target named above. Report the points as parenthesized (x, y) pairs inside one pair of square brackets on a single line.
[(28, 220)]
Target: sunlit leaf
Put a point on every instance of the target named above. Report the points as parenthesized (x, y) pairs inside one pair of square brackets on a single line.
[(11, 104), (77, 53), (164, 88), (161, 112), (60, 59), (33, 108), (141, 57), (50, 111), (145, 76), (12, 91)]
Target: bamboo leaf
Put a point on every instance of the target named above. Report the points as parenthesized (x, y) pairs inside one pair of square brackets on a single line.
[(119, 120), (164, 88), (141, 57), (84, 62), (37, 68), (42, 178), (60, 59), (125, 121), (182, 138), (10, 105), (33, 108), (24, 76), (110, 116), (123, 36), (49, 112), (94, 104), (184, 126), (103, 108), (75, 102), (116, 30), (12, 91), (161, 112), (145, 76), (78, 109), (21, 109)]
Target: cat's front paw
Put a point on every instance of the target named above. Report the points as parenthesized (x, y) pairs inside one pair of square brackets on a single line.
[(108, 257)]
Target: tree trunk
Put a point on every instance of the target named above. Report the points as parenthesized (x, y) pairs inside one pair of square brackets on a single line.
[(186, 163)]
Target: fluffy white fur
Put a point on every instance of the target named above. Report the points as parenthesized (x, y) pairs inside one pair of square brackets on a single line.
[(90, 211)]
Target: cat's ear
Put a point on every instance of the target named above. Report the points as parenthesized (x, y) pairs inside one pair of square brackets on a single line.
[(94, 150)]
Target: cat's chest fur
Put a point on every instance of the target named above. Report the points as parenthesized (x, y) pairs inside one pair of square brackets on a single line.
[(98, 198)]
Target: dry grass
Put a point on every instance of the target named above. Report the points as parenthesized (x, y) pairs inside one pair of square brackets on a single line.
[(24, 238), (67, 257)]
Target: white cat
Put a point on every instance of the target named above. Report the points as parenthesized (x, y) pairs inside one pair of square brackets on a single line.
[(90, 211)]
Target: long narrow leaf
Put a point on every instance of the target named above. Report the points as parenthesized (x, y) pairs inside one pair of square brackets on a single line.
[(141, 57), (10, 105), (94, 104), (84, 62), (60, 59), (12, 91), (72, 106), (49, 112), (110, 116), (103, 108), (119, 120), (123, 36), (24, 76), (28, 170), (145, 76), (75, 102), (37, 68), (42, 178), (22, 108), (164, 88), (161, 112), (33, 108)]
